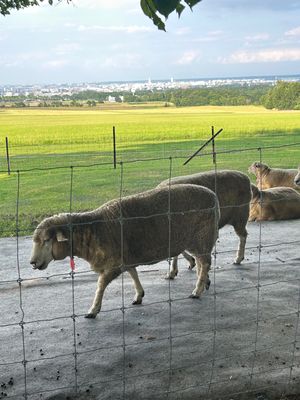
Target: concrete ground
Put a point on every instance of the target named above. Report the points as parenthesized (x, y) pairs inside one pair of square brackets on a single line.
[(239, 341)]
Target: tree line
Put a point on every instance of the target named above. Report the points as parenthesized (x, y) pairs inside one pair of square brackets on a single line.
[(221, 96), (282, 96)]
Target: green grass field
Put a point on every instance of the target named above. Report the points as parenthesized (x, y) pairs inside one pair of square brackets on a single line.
[(44, 144)]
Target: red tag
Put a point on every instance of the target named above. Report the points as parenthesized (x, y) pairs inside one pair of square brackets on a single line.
[(72, 263)]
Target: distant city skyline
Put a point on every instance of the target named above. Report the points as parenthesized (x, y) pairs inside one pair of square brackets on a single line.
[(205, 82), (111, 41), (66, 91)]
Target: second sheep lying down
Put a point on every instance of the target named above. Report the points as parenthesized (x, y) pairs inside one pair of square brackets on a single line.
[(233, 189), (274, 204), (140, 229)]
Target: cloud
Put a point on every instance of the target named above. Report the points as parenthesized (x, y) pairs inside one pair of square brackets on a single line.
[(269, 55), (127, 5), (115, 28), (182, 31), (114, 62), (257, 37), (188, 57), (9, 64), (66, 48), (211, 36), (293, 32), (55, 64), (20, 59), (271, 5)]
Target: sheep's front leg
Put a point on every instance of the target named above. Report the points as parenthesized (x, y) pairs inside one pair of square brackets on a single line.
[(139, 291), (104, 279), (203, 266), (173, 270), (174, 267)]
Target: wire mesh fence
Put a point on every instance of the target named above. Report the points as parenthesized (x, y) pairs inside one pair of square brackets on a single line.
[(240, 340)]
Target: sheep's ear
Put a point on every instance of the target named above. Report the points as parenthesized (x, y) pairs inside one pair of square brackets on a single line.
[(60, 237)]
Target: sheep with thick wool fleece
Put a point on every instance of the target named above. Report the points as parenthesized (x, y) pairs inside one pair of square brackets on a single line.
[(144, 228), (233, 190)]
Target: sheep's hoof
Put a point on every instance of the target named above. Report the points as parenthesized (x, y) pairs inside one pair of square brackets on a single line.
[(90, 316), (238, 261), (194, 296), (171, 275), (138, 301), (192, 265)]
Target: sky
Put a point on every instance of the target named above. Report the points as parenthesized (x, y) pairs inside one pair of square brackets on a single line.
[(112, 40)]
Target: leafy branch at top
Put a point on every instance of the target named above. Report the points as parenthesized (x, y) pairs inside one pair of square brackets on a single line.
[(153, 9)]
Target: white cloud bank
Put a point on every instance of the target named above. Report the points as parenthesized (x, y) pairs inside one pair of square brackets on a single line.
[(188, 57), (268, 55), (293, 32), (117, 28), (106, 4), (55, 64), (257, 37)]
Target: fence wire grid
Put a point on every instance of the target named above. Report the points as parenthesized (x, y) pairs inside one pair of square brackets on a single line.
[(240, 340)]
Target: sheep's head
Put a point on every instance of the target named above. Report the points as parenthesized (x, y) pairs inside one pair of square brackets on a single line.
[(297, 177), (49, 244), (258, 168)]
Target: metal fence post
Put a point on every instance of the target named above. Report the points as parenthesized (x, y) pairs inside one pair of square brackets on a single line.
[(114, 148), (7, 156)]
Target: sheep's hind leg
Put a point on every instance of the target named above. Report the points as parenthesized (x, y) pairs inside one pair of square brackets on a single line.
[(203, 266), (104, 279), (139, 291), (190, 259), (242, 234)]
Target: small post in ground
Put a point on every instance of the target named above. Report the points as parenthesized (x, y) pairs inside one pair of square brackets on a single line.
[(7, 156), (213, 144), (114, 148)]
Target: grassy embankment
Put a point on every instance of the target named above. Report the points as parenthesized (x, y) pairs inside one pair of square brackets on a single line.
[(42, 138)]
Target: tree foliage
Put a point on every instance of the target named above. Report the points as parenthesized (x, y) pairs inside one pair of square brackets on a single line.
[(154, 9), (283, 96), (6, 6), (222, 96)]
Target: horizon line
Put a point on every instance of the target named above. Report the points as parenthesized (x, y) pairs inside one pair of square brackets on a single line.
[(154, 80)]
